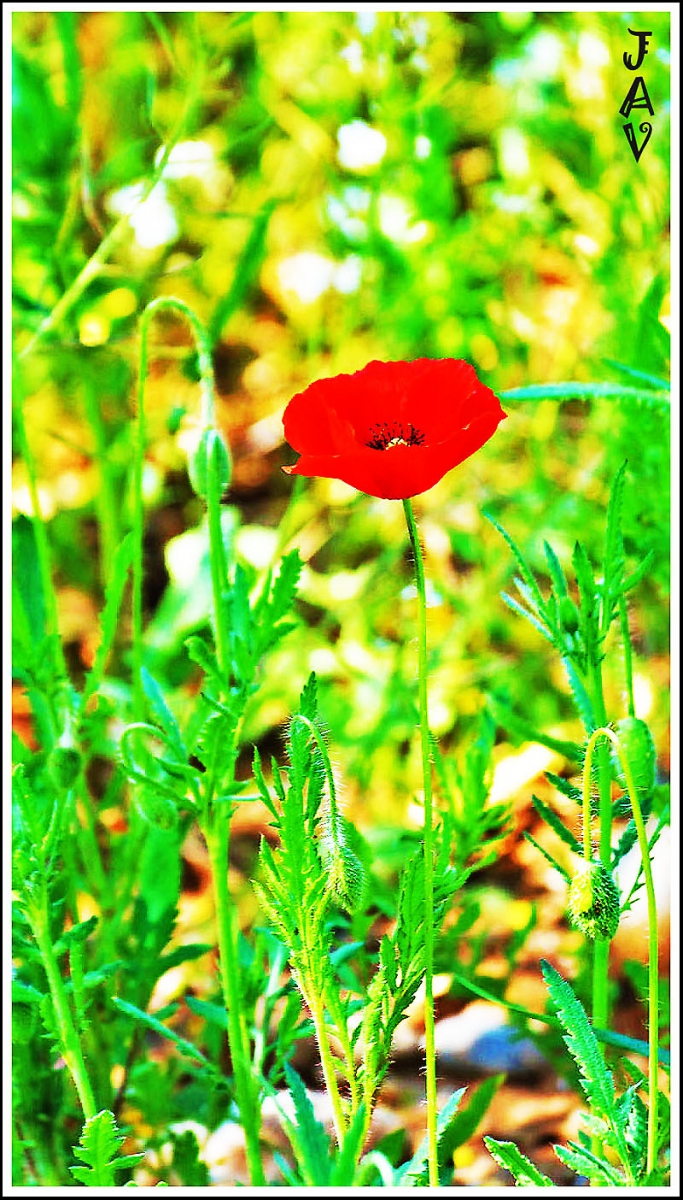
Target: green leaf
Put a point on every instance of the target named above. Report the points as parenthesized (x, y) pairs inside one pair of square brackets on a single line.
[(416, 1172), (150, 1022), (551, 818), (183, 954), (464, 1125), (215, 1014), (640, 572), (613, 563), (27, 578), (513, 723), (581, 697), (508, 1156), (587, 391), (524, 567), (99, 1149), (523, 612), (200, 654), (654, 381), (309, 1138), (160, 871), (113, 597), (556, 572), (163, 715), (344, 1165), (585, 1163), (548, 857), (582, 1044)]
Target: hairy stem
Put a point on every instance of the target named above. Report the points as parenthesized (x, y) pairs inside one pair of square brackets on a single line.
[(600, 1000), (246, 1088), (430, 1050), (70, 1044), (653, 946)]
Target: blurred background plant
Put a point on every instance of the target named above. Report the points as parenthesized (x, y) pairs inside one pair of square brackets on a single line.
[(324, 190)]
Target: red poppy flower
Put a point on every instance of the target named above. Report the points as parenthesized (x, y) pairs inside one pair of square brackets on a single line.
[(394, 429)]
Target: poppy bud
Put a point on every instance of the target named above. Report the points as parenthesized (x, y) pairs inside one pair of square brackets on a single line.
[(569, 615), (594, 901), (638, 748), (210, 458), (157, 808), (64, 764)]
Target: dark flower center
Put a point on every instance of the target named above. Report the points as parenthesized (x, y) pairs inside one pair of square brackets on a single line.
[(384, 436)]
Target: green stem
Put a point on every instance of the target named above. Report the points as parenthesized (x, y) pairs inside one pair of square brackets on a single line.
[(105, 500), (246, 1090), (70, 1044), (600, 999), (207, 414), (430, 1049), (42, 544), (317, 1009), (628, 657), (653, 946)]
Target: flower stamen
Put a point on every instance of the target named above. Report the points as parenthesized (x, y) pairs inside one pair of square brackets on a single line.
[(384, 436)]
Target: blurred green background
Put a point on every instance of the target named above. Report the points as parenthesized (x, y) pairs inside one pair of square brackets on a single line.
[(345, 186)]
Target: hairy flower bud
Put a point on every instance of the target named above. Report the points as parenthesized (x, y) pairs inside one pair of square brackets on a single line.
[(211, 456), (638, 748), (594, 901)]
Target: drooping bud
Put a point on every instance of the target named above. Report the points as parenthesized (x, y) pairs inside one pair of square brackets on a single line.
[(594, 901), (638, 748), (64, 764), (210, 458)]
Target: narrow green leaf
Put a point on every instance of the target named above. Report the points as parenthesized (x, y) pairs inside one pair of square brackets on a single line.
[(465, 1124), (587, 391), (415, 1172), (215, 1014), (313, 1147), (527, 573), (522, 612), (143, 1018), (582, 1044), (113, 597), (513, 723), (581, 697), (508, 1156), (548, 857), (613, 562), (344, 1166), (163, 715), (655, 381), (584, 1163), (557, 824)]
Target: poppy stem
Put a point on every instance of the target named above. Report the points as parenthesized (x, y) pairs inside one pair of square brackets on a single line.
[(430, 1051)]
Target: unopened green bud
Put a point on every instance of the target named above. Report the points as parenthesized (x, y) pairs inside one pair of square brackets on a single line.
[(64, 764), (594, 901), (638, 748), (569, 615), (157, 808), (210, 458)]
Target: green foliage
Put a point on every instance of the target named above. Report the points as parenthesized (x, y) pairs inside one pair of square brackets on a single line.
[(173, 119), (508, 1156), (99, 1149)]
